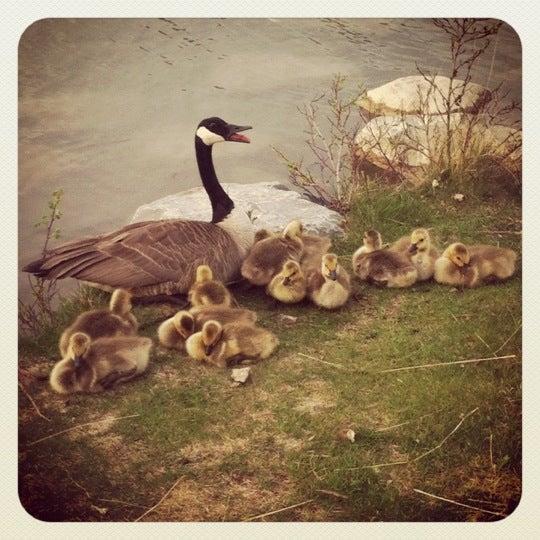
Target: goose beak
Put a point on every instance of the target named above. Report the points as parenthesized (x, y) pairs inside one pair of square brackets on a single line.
[(235, 135), (333, 275), (77, 360), (413, 248)]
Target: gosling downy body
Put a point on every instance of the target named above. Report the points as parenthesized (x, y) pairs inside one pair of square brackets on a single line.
[(493, 263), (220, 344), (385, 268), (267, 256), (208, 292), (288, 286), (116, 321), (421, 252), (330, 286), (94, 366)]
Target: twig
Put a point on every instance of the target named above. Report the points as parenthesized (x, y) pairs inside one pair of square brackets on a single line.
[(501, 232), (509, 338), (324, 361), (483, 341), (80, 426), (491, 451), (417, 458), (33, 402), (458, 503), (448, 363), (332, 493), (278, 511), (160, 500)]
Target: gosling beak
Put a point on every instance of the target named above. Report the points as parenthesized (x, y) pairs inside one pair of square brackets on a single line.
[(77, 360), (234, 133), (287, 280), (413, 248), (208, 349), (333, 275)]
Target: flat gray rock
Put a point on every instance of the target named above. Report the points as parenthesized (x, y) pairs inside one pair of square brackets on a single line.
[(270, 205)]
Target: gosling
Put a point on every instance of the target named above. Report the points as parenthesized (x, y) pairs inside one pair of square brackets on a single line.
[(330, 286), (220, 344), (208, 292), (421, 252), (289, 286), (115, 321), (385, 268), (94, 366), (371, 241), (174, 332), (267, 256)]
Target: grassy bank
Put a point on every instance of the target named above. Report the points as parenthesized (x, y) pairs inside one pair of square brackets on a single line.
[(451, 431)]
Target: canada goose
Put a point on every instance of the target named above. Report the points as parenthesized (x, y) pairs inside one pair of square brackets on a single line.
[(454, 267), (219, 343), (160, 257), (330, 286), (174, 332), (116, 321), (371, 241), (206, 291), (421, 252), (289, 285), (266, 257), (93, 366), (385, 268)]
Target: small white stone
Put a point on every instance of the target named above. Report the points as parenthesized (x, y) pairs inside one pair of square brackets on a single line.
[(459, 196), (435, 183), (240, 375)]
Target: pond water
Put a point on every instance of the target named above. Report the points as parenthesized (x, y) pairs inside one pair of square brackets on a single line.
[(108, 107)]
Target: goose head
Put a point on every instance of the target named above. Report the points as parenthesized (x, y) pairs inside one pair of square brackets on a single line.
[(214, 130), (291, 272), (458, 254), (420, 241), (204, 273)]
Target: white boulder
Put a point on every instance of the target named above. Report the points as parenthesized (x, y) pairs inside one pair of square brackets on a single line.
[(270, 205), (410, 141), (415, 95)]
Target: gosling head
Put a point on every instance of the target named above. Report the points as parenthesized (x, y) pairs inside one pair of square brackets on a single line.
[(420, 241), (204, 273), (329, 266), (184, 323), (372, 240), (78, 345), (291, 270), (120, 302), (458, 254), (262, 234), (214, 130), (294, 229), (211, 334)]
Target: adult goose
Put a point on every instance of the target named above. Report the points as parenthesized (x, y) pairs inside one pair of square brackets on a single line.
[(154, 258)]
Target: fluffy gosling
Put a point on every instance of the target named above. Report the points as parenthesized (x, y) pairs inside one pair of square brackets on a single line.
[(289, 286), (206, 291), (330, 286)]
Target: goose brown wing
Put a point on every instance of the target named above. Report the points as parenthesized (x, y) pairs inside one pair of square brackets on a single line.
[(144, 254)]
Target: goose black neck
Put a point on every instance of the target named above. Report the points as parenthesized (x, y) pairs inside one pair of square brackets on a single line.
[(222, 204)]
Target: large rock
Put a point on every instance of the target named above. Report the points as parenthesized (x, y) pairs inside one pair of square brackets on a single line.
[(416, 95), (270, 205), (410, 141)]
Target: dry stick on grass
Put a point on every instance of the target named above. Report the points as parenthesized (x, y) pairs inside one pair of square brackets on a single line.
[(339, 366), (458, 503), (160, 500), (332, 493), (278, 511), (448, 363), (125, 503), (421, 456), (80, 426), (33, 403)]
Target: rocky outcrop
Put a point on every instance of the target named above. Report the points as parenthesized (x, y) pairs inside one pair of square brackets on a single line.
[(416, 95), (270, 205)]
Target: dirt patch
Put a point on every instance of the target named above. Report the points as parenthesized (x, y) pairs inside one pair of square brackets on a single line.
[(320, 396)]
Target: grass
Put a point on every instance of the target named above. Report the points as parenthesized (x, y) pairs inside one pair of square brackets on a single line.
[(240, 452)]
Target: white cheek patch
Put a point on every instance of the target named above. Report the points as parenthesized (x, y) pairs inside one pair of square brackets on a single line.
[(208, 137)]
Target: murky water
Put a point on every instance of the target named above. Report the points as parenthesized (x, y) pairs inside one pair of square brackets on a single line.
[(107, 108)]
